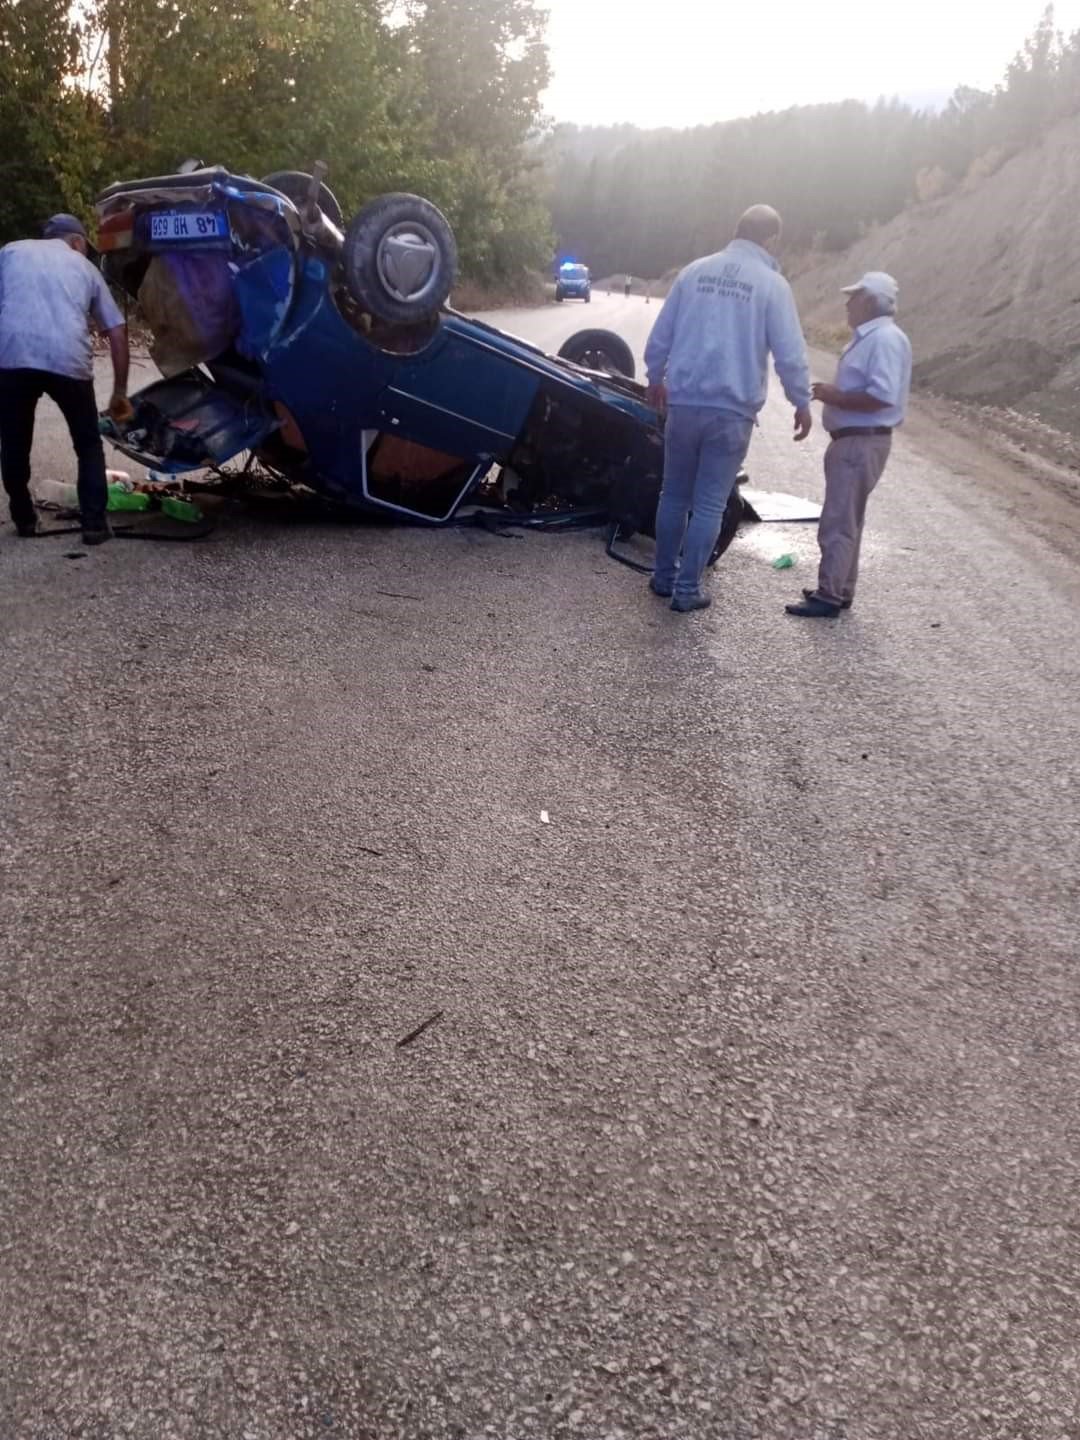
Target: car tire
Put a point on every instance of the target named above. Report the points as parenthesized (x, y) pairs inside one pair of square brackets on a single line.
[(588, 299), (558, 297), (295, 184), (400, 258), (599, 350)]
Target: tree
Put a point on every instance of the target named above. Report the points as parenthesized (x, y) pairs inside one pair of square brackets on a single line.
[(439, 104), (254, 84), (481, 67), (1027, 98), (473, 75), (51, 132), (648, 201)]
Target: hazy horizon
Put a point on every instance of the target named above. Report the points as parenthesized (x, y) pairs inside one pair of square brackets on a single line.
[(698, 67)]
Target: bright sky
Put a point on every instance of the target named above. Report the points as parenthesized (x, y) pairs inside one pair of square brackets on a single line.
[(690, 62)]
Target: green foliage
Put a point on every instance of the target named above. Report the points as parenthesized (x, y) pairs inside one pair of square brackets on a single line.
[(443, 97), (257, 85), (51, 133), (656, 199), (436, 99), (471, 80), (479, 66)]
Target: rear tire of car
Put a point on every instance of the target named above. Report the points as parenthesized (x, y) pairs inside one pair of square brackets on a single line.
[(599, 350), (295, 184), (400, 258)]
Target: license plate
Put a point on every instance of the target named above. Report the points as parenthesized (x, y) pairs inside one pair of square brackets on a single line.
[(172, 226)]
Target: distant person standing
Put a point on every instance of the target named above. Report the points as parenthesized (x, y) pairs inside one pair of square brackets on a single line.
[(49, 294), (707, 363), (626, 288), (863, 407)]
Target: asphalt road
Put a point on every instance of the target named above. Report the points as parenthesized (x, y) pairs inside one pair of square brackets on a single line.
[(751, 1111)]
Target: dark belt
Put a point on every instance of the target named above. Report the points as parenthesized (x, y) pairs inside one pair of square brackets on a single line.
[(863, 430)]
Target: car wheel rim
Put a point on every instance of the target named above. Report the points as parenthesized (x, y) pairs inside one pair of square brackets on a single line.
[(407, 260)]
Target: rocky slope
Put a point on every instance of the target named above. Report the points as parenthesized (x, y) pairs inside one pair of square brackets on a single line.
[(990, 284)]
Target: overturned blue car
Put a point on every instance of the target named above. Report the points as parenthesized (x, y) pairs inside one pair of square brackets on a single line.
[(327, 354)]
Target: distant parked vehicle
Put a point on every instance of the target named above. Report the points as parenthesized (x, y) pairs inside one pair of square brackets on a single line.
[(573, 283)]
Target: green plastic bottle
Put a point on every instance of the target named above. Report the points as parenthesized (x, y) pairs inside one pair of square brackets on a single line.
[(181, 509), (122, 499)]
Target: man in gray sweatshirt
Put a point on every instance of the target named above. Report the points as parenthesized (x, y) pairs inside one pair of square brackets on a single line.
[(707, 363)]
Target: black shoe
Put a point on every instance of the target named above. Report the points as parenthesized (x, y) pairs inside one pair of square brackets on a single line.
[(812, 595), (682, 604), (28, 529), (659, 590), (815, 609), (97, 534)]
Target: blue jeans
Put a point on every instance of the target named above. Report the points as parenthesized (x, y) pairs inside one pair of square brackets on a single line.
[(703, 451)]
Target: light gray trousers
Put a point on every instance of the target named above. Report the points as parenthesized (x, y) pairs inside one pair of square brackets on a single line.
[(853, 466)]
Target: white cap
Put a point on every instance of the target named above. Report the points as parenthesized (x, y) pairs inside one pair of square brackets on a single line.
[(876, 283)]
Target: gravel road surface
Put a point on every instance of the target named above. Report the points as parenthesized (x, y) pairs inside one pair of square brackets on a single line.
[(751, 1111)]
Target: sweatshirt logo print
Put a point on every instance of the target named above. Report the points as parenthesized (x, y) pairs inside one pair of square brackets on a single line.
[(726, 284)]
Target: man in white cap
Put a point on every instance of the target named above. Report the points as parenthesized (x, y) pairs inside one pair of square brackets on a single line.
[(863, 407), (49, 295)]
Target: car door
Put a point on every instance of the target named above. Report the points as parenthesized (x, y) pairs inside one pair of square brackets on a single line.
[(459, 396), (188, 422)]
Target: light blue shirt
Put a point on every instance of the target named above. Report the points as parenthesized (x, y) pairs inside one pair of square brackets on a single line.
[(877, 362), (712, 339), (48, 295)]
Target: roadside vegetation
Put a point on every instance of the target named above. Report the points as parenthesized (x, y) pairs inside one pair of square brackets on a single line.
[(434, 96), (444, 97), (624, 199)]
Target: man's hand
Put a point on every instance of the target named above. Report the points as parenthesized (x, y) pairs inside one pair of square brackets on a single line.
[(656, 396), (121, 410), (860, 400), (804, 422)]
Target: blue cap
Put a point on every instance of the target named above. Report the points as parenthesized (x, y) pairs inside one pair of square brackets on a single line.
[(61, 225)]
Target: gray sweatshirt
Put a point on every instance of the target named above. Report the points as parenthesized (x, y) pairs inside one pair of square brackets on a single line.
[(712, 339)]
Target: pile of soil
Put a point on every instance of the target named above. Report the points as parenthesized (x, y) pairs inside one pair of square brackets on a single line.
[(989, 285)]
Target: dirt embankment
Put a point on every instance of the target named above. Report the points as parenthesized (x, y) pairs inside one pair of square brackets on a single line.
[(990, 289)]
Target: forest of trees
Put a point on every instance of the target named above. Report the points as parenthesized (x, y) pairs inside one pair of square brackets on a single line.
[(445, 97), (436, 96), (647, 201)]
